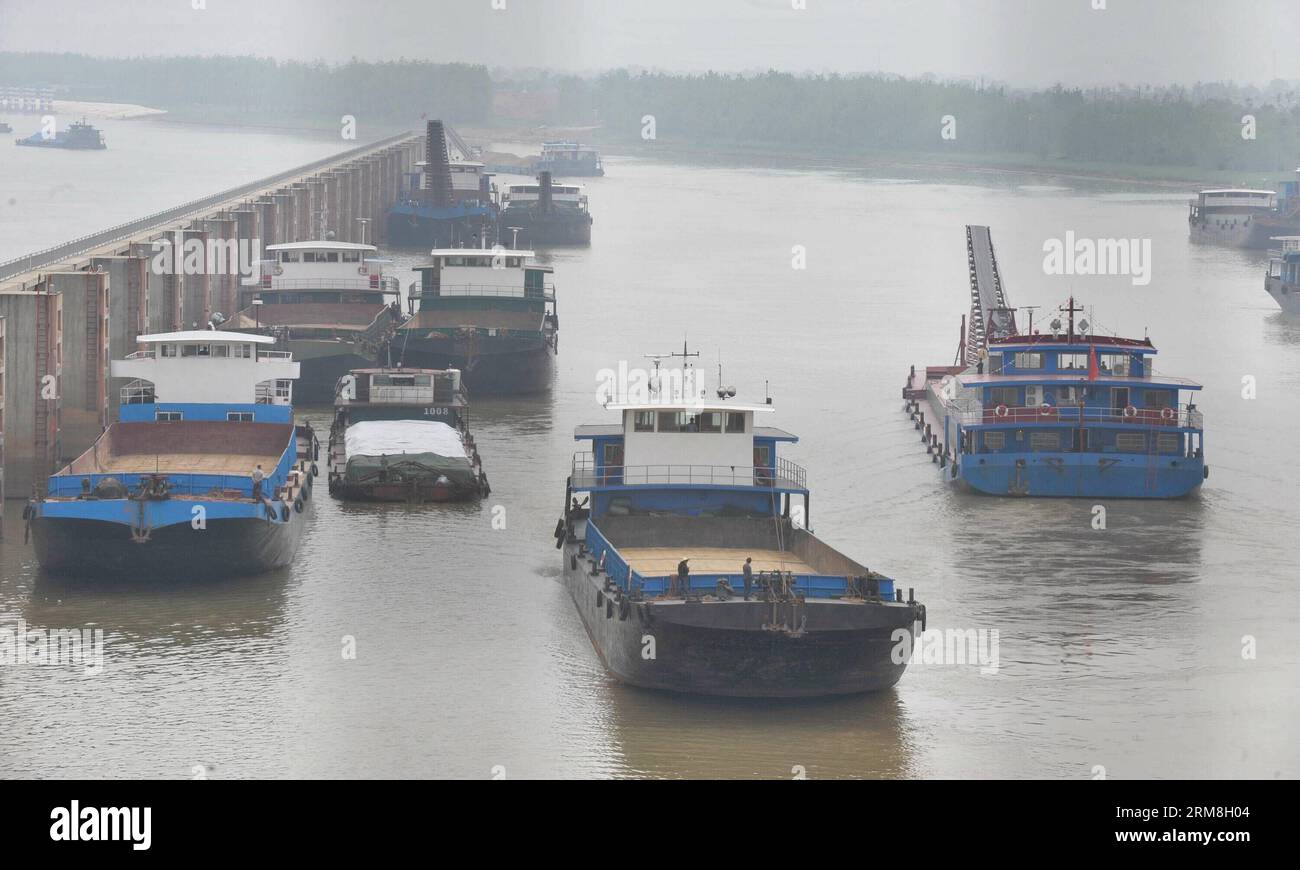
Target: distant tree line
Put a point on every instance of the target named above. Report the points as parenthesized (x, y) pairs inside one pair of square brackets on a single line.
[(394, 91), (1198, 127)]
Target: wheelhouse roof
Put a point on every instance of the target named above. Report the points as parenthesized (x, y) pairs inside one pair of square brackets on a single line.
[(321, 246), (479, 252), (1245, 190), (204, 335), (969, 379), (688, 406), (1064, 341)]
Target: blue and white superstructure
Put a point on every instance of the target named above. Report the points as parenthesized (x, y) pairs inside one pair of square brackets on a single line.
[(204, 473), (1065, 413)]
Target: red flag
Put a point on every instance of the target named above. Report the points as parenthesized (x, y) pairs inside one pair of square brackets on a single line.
[(1093, 373)]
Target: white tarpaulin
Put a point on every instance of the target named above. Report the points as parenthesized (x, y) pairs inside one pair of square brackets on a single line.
[(388, 437)]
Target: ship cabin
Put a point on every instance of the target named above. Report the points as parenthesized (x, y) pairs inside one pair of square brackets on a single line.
[(526, 196), (1071, 393), (571, 158), (320, 289), (201, 409), (403, 394), (1218, 204), (507, 283), (690, 458), (470, 183)]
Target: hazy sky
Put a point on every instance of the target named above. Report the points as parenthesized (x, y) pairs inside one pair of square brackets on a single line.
[(1029, 42)]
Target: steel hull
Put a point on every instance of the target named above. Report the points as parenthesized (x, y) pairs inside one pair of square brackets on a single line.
[(175, 553), (723, 649), (1082, 476)]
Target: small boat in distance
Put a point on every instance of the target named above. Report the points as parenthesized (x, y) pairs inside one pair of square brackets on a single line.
[(1283, 280), (5, 128), (79, 136), (403, 435), (328, 303), (680, 481), (204, 474), (569, 159)]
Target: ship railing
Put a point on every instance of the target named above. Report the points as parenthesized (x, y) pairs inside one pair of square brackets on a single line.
[(275, 355), (546, 291), (786, 475), (1185, 416), (231, 486), (142, 354), (361, 284), (137, 392)]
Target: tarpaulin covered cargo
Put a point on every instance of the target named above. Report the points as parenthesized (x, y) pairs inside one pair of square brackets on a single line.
[(404, 449)]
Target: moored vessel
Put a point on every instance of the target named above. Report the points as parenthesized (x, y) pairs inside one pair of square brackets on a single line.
[(1243, 217), (328, 303), (1067, 413), (204, 474), (446, 202), (403, 435), (1283, 279), (681, 482), (545, 213), (489, 313)]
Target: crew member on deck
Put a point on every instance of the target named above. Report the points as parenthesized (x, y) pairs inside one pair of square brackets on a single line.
[(748, 570), (683, 577), (258, 476)]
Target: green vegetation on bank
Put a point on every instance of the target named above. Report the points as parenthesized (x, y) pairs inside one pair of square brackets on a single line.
[(1139, 133), (1175, 127)]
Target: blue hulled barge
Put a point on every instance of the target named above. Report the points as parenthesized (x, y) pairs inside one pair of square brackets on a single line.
[(204, 474), (698, 485)]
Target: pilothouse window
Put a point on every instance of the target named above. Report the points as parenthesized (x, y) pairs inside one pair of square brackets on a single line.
[(735, 421), (644, 421)]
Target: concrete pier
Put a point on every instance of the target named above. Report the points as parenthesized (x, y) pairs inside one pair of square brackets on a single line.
[(66, 312)]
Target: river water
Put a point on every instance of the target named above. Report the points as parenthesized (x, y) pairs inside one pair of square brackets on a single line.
[(1120, 649)]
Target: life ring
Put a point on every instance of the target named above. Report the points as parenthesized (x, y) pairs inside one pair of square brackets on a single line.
[(1130, 411), (1045, 409), (1001, 411), (1167, 414)]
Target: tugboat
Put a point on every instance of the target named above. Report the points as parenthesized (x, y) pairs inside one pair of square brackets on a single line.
[(403, 435), (570, 158), (680, 481), (1068, 413), (327, 303), (79, 136), (545, 213), (445, 203), (205, 474), (1283, 281), (488, 313)]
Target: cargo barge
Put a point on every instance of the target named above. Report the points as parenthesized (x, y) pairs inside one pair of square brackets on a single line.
[(402, 435), (205, 474), (79, 136), (569, 159), (545, 213), (491, 314), (445, 203), (327, 303), (683, 496)]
